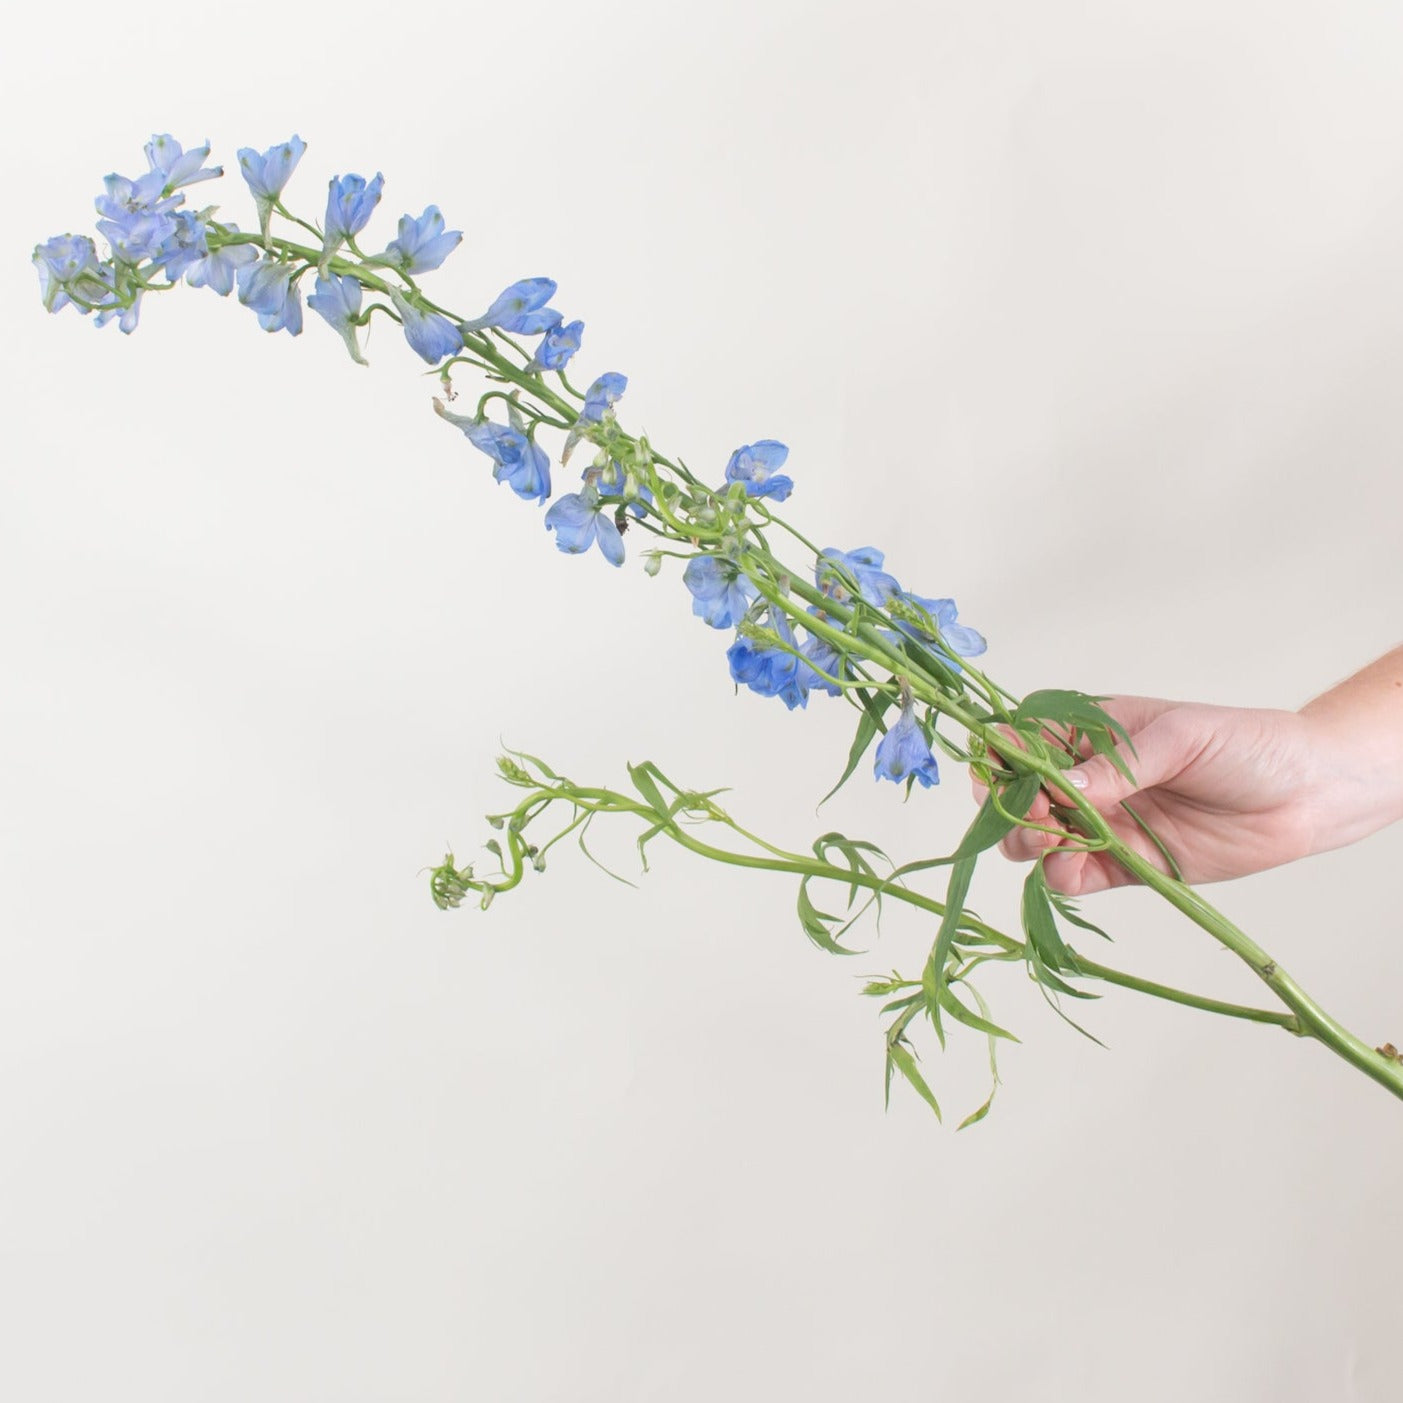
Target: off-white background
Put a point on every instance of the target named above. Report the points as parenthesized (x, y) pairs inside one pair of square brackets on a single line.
[(1090, 314)]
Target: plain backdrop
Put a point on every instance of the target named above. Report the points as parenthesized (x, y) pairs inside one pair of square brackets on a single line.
[(1089, 314)]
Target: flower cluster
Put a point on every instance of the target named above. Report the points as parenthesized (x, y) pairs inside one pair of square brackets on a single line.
[(788, 643)]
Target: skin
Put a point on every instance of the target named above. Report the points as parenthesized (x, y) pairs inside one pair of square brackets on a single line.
[(1235, 790)]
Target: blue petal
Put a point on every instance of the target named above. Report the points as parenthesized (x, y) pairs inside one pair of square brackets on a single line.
[(574, 520), (610, 542)]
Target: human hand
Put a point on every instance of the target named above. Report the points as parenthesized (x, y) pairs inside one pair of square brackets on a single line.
[(1228, 790)]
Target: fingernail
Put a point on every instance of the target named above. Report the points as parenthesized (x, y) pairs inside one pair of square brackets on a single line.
[(1076, 779)]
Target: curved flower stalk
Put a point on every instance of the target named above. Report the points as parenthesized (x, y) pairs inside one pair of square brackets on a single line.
[(833, 621)]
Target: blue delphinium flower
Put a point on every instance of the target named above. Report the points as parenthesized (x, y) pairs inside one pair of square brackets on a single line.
[(721, 593), (581, 520), (266, 287), (338, 302), (267, 173), (350, 201), (176, 165), (422, 244), (216, 270), (127, 309), (603, 395), (754, 464), (431, 334), (904, 753), (521, 309), (600, 399), (122, 198), (950, 636), (184, 247), (771, 671), (557, 346), (837, 569), (61, 262), (827, 663), (136, 236), (523, 465)]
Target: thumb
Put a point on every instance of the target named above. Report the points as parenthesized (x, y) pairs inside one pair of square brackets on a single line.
[(1158, 752)]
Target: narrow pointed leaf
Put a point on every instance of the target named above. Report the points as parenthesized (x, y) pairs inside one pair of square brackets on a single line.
[(933, 976), (989, 825), (815, 923), (906, 1065)]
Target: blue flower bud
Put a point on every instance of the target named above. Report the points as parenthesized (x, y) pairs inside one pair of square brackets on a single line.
[(350, 201)]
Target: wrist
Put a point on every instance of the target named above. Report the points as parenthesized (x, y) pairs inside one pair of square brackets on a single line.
[(1356, 749)]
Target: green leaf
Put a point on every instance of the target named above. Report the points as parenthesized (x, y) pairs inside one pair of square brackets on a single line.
[(961, 1014), (1067, 909), (1040, 925), (1103, 743), (868, 724), (642, 777), (989, 825), (906, 1065), (852, 849), (1085, 713), (933, 976), (976, 1116), (534, 760), (815, 923)]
